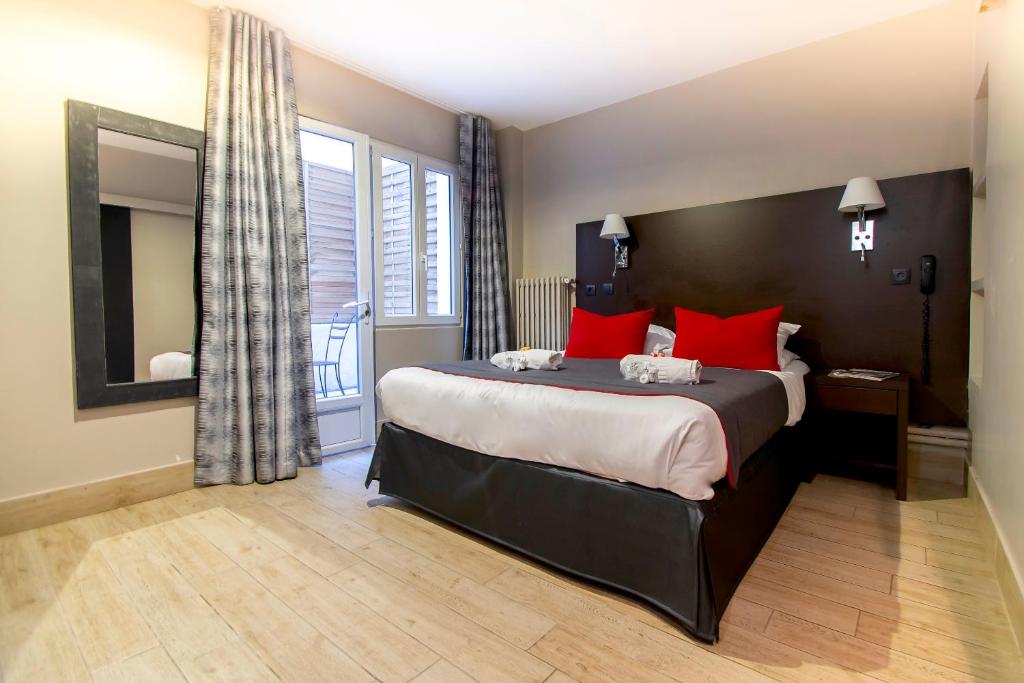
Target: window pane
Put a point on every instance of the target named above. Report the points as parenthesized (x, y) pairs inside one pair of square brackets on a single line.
[(329, 184), (439, 243), (396, 211)]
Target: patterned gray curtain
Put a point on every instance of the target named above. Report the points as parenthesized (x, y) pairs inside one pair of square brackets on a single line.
[(257, 412), (486, 309)]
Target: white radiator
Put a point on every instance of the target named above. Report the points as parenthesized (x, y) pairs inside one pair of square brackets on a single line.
[(543, 309)]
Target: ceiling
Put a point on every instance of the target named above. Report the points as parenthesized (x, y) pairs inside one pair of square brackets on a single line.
[(531, 62)]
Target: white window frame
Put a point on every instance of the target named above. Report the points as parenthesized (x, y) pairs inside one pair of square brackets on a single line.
[(420, 164)]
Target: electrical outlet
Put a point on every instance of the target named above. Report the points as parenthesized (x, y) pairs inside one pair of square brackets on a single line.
[(591, 290), (607, 288), (900, 276)]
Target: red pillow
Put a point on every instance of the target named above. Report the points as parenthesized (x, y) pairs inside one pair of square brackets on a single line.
[(607, 336), (747, 342)]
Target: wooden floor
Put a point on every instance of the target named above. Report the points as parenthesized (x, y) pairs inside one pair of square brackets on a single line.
[(318, 579)]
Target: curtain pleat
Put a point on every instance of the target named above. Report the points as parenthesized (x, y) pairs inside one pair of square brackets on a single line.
[(487, 311), (256, 418)]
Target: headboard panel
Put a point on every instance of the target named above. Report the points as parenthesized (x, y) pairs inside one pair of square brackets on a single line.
[(794, 249)]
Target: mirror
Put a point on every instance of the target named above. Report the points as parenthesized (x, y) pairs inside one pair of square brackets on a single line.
[(134, 196), (147, 237)]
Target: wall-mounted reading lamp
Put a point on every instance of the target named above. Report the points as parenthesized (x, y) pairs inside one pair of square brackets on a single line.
[(862, 194), (615, 229)]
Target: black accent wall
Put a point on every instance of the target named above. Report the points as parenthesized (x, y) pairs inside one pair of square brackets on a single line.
[(118, 295), (794, 250)]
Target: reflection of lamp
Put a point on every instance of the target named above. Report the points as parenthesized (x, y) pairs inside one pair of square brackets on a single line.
[(862, 194), (615, 229)]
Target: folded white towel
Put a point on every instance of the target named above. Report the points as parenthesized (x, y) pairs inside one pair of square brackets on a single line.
[(534, 359), (664, 370)]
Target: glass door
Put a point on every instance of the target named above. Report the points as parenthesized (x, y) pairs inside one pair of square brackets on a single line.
[(336, 182)]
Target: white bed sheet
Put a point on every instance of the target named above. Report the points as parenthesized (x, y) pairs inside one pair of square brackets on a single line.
[(664, 442)]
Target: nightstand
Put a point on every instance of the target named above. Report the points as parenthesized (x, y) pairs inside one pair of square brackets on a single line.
[(836, 405)]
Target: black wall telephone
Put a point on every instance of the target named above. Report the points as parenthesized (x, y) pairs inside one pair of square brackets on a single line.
[(928, 267), (928, 274)]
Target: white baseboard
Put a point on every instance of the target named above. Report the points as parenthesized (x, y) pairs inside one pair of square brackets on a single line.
[(62, 504), (1009, 573)]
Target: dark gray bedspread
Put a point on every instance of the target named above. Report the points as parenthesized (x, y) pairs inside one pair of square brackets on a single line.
[(752, 406)]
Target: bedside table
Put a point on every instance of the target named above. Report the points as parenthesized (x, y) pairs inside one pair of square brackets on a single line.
[(889, 397)]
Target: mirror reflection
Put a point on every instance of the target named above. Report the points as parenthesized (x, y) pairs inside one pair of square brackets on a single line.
[(147, 193)]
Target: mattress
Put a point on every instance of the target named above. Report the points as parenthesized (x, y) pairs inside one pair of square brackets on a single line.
[(671, 442)]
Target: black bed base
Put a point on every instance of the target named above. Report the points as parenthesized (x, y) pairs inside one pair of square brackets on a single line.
[(684, 557)]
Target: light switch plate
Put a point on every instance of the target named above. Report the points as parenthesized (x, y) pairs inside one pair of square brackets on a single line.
[(865, 236)]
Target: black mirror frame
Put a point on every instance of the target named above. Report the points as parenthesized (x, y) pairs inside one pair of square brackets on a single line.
[(83, 122)]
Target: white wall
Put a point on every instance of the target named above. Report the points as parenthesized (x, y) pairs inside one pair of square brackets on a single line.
[(998, 397), (147, 57), (887, 100), (331, 93), (163, 273)]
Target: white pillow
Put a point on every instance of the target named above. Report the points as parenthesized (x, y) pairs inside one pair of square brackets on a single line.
[(659, 336), (781, 337)]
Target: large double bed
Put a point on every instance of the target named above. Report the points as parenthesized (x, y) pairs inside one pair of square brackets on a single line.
[(664, 492)]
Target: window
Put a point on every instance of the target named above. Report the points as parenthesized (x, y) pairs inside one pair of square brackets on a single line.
[(417, 238)]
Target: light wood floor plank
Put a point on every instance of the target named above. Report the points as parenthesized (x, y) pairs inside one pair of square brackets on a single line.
[(836, 569), (37, 644), (588, 662), (778, 660), (892, 535), (959, 563), (444, 671), (469, 646), (318, 578), (106, 624), (152, 666), (810, 496), (23, 581), (976, 606), (199, 560), (748, 615), (470, 558), (297, 539), (381, 648), (325, 521), (977, 631), (588, 619), (512, 621), (815, 609), (892, 546), (856, 654), (287, 644), (182, 620), (228, 664), (956, 520), (242, 544), (950, 652)]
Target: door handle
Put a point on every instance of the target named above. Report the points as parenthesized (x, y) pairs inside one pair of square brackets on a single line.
[(366, 311)]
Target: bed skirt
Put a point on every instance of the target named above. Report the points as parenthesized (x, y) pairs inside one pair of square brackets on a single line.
[(683, 557)]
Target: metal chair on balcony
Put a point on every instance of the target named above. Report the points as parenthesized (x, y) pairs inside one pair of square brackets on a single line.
[(337, 333)]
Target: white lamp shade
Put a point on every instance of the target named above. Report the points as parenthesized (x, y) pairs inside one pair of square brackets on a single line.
[(861, 192), (614, 227)]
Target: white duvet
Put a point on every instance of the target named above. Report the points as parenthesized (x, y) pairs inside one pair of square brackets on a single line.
[(663, 442)]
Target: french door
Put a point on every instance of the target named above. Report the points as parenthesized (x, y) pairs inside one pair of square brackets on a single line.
[(336, 182)]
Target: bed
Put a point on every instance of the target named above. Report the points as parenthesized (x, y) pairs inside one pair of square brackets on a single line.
[(664, 492)]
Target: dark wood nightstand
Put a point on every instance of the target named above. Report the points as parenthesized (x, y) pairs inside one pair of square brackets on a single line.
[(886, 398)]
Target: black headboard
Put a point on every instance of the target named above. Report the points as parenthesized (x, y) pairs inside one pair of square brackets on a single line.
[(794, 250)]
